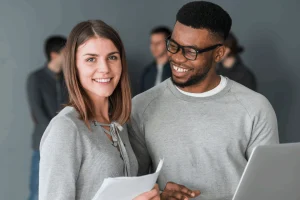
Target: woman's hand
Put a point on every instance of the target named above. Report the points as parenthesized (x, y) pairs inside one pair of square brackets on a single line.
[(151, 195)]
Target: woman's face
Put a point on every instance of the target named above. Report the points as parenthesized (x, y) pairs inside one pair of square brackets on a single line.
[(99, 67)]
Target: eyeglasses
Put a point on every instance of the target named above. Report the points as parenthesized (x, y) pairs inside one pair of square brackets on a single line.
[(188, 52)]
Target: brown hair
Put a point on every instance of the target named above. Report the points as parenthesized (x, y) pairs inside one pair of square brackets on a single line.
[(232, 43), (120, 100)]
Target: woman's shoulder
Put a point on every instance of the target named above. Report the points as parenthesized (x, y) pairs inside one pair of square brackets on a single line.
[(68, 112), (68, 115), (63, 126)]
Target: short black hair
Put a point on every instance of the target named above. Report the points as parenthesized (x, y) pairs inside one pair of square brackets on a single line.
[(161, 29), (205, 15), (54, 44)]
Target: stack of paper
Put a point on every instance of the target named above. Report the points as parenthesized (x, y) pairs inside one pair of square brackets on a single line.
[(127, 188)]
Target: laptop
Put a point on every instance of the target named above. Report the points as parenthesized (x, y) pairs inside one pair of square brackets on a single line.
[(272, 173)]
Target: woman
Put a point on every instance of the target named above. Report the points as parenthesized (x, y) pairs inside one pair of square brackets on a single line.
[(85, 143), (232, 65)]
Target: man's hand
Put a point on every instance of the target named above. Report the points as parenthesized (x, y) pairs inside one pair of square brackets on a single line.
[(174, 191)]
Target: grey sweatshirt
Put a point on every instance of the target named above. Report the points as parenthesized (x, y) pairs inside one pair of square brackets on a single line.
[(75, 161), (205, 141)]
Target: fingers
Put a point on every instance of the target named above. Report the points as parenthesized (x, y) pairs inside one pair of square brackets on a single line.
[(156, 187), (197, 192), (176, 191), (171, 186), (157, 197), (170, 195), (190, 193), (150, 195), (186, 191)]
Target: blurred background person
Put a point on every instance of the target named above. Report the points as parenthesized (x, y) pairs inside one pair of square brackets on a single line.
[(232, 65), (159, 70), (46, 92)]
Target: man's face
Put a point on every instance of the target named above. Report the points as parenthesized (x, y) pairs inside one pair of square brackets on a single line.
[(58, 58), (191, 72), (158, 45)]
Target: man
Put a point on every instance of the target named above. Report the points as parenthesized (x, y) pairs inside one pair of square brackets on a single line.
[(159, 70), (205, 126), (46, 94), (232, 65)]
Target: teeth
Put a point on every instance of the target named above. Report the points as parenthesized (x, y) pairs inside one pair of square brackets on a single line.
[(102, 80), (179, 69)]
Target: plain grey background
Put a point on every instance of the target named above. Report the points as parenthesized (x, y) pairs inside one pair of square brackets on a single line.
[(268, 29)]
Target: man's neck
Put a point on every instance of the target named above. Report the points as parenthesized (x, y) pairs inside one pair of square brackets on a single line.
[(162, 60), (207, 84), (54, 68)]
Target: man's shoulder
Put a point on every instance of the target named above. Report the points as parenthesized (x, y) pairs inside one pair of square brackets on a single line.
[(151, 64), (149, 67), (37, 73), (141, 101), (249, 99)]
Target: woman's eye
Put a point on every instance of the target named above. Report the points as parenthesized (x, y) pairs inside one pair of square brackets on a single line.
[(112, 57), (91, 60)]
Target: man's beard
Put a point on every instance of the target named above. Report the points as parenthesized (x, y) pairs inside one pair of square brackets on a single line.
[(195, 79)]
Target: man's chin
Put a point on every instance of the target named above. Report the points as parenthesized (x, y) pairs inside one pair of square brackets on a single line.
[(178, 83), (194, 80)]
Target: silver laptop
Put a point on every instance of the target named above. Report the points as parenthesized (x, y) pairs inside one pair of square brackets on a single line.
[(272, 173)]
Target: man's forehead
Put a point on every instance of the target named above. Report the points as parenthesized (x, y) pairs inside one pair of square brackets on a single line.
[(158, 36), (188, 36)]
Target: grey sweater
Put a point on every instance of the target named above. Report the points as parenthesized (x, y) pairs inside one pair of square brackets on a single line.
[(205, 141), (75, 161)]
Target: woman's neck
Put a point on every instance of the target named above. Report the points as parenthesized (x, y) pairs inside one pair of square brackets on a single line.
[(101, 109)]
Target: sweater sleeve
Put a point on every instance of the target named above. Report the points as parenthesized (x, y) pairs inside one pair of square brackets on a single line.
[(265, 130), (61, 156), (138, 143)]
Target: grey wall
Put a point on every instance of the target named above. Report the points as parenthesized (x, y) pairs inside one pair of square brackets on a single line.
[(267, 28)]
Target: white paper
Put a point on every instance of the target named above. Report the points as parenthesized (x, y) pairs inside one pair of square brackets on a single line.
[(127, 188)]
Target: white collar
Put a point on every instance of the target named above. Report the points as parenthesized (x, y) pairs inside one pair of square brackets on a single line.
[(212, 92)]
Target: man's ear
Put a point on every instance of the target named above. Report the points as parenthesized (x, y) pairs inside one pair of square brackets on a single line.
[(219, 53)]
